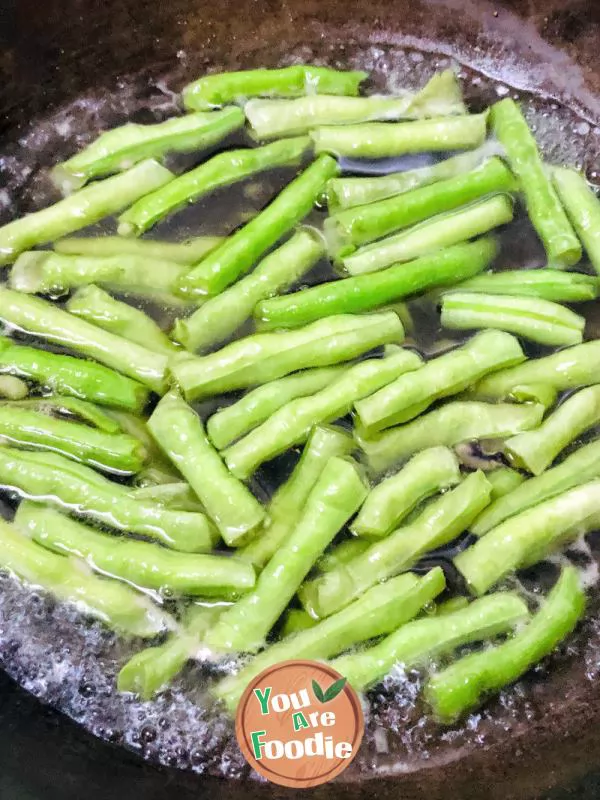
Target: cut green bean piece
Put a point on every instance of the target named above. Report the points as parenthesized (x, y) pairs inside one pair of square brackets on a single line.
[(546, 284), (543, 206), (415, 644), (139, 563), (219, 318), (536, 450), (59, 482), (337, 494), (152, 669), (221, 170), (583, 209), (448, 374), (363, 224), (81, 209), (234, 421), (266, 356), (580, 467), (230, 87), (43, 272), (293, 422), (534, 393), (441, 522), (568, 369), (429, 472), (176, 496), (461, 686), (503, 480), (449, 425), (98, 307), (128, 144), (442, 231), (349, 192), (56, 405), (138, 427), (116, 605), (30, 429), (46, 321), (538, 320), (13, 388), (369, 292), (179, 431), (189, 252), (269, 119), (288, 502), (381, 139), (528, 537), (379, 611), (240, 252)]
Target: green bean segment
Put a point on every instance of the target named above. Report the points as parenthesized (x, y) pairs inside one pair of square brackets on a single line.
[(583, 209), (460, 687), (409, 395), (441, 522), (532, 318), (545, 284), (292, 423), (189, 252)]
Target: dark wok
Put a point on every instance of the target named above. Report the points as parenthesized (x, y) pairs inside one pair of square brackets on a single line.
[(129, 53)]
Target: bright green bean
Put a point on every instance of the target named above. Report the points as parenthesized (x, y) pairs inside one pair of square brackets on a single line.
[(189, 252), (583, 209), (546, 284)]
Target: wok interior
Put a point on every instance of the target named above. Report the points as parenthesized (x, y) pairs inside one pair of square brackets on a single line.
[(74, 68)]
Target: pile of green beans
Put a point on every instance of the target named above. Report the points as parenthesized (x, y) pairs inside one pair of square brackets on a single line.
[(134, 439)]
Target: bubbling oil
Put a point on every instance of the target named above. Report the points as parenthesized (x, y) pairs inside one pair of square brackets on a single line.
[(71, 662)]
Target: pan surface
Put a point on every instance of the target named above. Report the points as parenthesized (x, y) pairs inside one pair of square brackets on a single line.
[(74, 67)]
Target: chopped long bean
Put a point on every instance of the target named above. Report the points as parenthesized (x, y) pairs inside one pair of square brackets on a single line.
[(372, 291), (288, 502), (30, 429), (176, 496), (189, 252), (43, 272), (503, 480), (268, 119), (218, 318), (451, 424), (349, 192), (63, 484), (381, 610), (536, 450), (337, 494), (442, 231), (63, 374), (460, 686), (546, 284), (180, 432), (96, 306), (415, 644), (363, 224), (394, 498), (267, 356), (568, 369), (128, 144), (292, 423), (530, 536), (239, 253), (543, 206), (583, 209), (234, 421), (441, 522), (115, 604), (69, 407), (380, 139), (221, 170), (46, 321), (139, 563), (408, 396), (532, 318), (81, 209), (230, 87)]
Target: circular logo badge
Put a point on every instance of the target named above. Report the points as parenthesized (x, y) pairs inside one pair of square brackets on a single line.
[(299, 723)]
